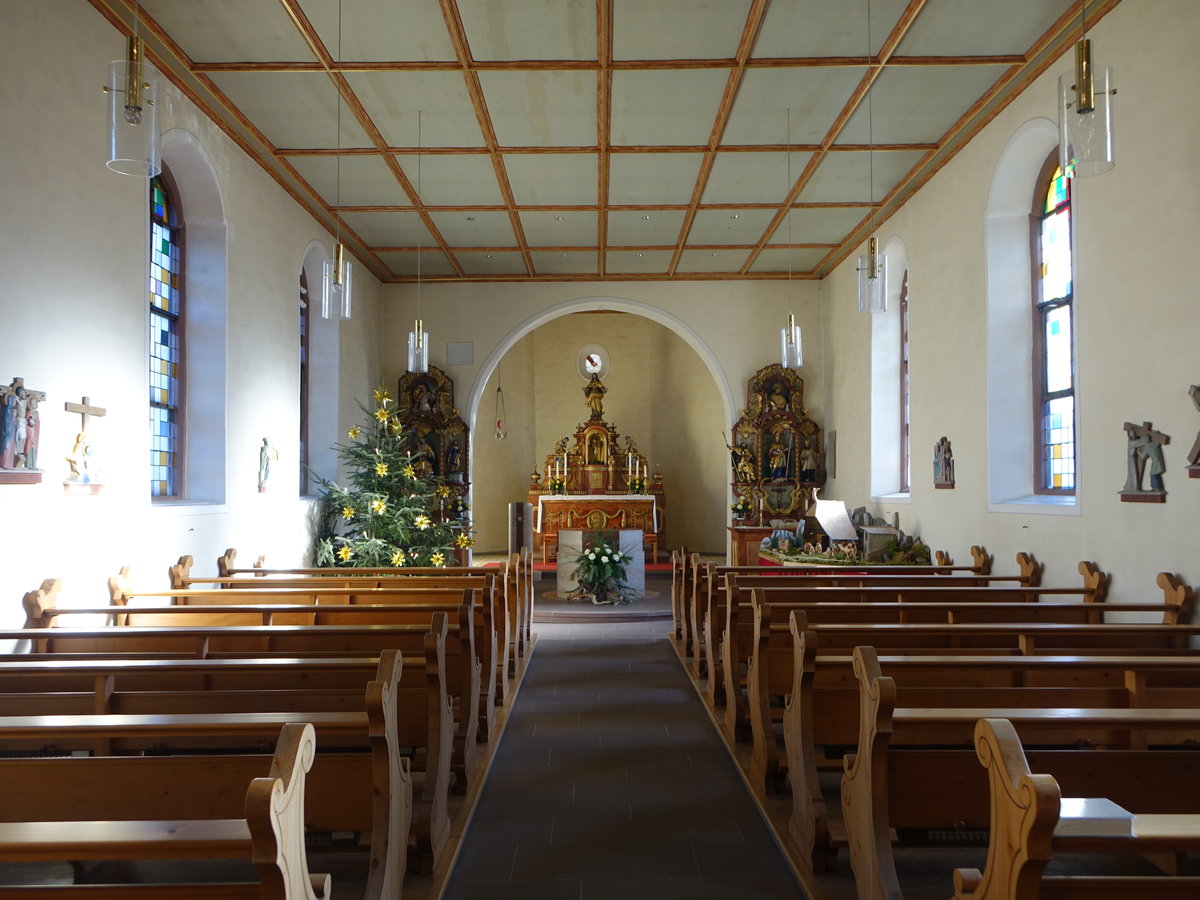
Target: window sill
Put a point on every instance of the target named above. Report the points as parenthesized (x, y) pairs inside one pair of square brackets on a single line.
[(1039, 505), (190, 507), (902, 498)]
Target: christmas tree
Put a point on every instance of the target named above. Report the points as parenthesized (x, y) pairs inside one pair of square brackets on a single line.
[(395, 510)]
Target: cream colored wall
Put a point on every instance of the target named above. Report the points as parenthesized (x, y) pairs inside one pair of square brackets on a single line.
[(1136, 326), (73, 323), (719, 335)]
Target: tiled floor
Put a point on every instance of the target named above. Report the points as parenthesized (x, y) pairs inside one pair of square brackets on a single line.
[(610, 781)]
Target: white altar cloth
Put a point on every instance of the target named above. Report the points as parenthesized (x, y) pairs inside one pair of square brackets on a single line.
[(537, 525)]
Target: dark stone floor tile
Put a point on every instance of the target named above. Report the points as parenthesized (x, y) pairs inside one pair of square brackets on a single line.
[(686, 889), (459, 889), (628, 861)]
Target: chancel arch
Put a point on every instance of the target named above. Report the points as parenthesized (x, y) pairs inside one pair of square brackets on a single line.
[(665, 387)]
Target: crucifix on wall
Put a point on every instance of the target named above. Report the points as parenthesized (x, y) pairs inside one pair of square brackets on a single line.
[(85, 468)]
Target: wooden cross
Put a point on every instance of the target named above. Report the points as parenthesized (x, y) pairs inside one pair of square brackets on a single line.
[(85, 409)]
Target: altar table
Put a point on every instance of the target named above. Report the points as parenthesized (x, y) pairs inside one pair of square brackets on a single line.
[(596, 512)]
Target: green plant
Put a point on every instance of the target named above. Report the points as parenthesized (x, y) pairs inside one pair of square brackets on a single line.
[(387, 514), (600, 571)]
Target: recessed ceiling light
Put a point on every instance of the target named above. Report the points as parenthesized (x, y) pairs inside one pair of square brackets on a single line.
[(733, 215), (489, 256), (639, 256), (646, 218), (470, 218), (558, 218), (715, 253)]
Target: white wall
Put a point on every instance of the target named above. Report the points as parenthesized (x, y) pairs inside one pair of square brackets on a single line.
[(1136, 325), (73, 323)]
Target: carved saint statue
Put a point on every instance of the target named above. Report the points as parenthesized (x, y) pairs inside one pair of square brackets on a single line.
[(593, 393)]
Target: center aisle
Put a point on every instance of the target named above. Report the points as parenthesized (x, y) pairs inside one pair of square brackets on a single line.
[(611, 782)]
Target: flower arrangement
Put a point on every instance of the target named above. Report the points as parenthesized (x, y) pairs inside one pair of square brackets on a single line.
[(557, 486), (637, 485), (600, 572), (741, 509)]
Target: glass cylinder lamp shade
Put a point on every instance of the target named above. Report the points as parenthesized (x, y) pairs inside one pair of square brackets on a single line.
[(132, 91), (872, 280), (337, 284), (418, 348), (1085, 135), (791, 351)]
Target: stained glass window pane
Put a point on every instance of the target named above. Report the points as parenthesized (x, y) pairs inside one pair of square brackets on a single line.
[(165, 349), (1058, 443), (1056, 256), (1058, 349)]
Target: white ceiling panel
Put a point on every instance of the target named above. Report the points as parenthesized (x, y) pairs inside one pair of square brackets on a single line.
[(652, 179), (365, 180), (964, 28), (475, 229), (747, 177), (393, 100), (917, 104), (221, 31), (815, 28), (670, 29), (530, 29), (454, 180), (475, 263), (658, 228), (818, 226), (553, 179), (404, 265), (778, 259), (568, 228), (665, 106), (638, 262), (491, 80), (380, 30), (692, 261), (389, 229), (293, 110), (539, 108), (815, 97), (575, 262), (729, 226), (847, 176)]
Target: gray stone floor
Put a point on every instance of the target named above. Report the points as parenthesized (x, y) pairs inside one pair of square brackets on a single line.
[(610, 781)]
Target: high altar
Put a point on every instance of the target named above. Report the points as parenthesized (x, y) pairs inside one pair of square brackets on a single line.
[(597, 481)]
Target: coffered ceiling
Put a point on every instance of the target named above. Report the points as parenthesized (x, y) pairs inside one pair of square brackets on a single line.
[(552, 140)]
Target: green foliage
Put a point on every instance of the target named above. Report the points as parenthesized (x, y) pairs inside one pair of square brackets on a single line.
[(389, 514), (600, 571)]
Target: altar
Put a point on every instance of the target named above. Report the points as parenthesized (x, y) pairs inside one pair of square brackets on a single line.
[(598, 482), (629, 542)]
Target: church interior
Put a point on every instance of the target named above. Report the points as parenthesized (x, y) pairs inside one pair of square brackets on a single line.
[(646, 190)]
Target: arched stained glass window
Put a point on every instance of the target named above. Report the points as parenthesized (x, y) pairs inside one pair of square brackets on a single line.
[(166, 340), (1053, 341), (905, 416)]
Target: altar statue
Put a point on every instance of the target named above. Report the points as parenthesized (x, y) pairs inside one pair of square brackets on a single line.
[(593, 393)]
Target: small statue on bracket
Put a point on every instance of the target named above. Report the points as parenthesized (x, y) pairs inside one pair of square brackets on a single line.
[(1144, 451), (1193, 468), (943, 464)]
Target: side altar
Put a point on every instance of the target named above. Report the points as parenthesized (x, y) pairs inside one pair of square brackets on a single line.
[(597, 481)]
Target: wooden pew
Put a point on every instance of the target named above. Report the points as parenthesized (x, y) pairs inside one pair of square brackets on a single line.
[(894, 780), (736, 644), (408, 603), (448, 747), (362, 784), (79, 809), (500, 596), (822, 710), (1025, 809), (712, 607), (772, 650)]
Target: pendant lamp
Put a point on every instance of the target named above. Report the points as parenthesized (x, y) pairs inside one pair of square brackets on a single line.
[(872, 277), (132, 91), (1085, 136)]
